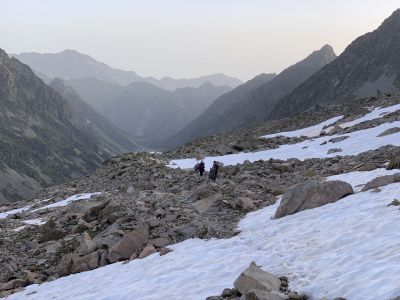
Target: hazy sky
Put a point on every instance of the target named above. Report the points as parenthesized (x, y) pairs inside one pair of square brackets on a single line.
[(187, 38)]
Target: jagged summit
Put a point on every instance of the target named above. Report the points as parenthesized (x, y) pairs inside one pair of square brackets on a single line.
[(368, 66)]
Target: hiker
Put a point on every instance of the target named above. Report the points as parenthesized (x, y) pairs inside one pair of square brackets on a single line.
[(201, 168), (214, 171), (196, 167), (212, 175), (215, 166)]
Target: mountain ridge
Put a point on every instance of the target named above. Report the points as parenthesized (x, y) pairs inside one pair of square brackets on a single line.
[(251, 102), (71, 64)]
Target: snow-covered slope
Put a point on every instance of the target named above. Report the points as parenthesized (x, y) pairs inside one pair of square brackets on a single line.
[(356, 143), (348, 248)]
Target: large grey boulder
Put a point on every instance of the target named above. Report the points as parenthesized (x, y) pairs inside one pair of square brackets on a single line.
[(131, 243), (312, 194), (253, 278), (381, 181)]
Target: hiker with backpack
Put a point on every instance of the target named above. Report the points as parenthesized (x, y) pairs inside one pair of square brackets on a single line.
[(214, 171), (201, 168)]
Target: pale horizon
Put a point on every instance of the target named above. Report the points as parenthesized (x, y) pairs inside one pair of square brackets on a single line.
[(186, 39)]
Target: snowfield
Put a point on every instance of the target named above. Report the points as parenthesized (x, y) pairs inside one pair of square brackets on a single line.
[(349, 248), (375, 113), (85, 196), (356, 143), (312, 131), (67, 201)]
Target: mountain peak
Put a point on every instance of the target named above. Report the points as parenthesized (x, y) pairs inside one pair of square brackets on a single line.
[(3, 54), (70, 51), (392, 22)]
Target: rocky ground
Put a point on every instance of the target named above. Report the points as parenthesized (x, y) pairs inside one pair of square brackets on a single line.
[(145, 206)]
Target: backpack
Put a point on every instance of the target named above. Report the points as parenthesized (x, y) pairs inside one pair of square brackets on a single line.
[(211, 175)]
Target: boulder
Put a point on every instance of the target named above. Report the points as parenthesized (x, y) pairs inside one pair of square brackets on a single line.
[(13, 284), (253, 278), (165, 250), (205, 204), (160, 242), (312, 194), (48, 232), (244, 203), (34, 278), (381, 181), (187, 231), (389, 131), (394, 163), (85, 263), (148, 250), (92, 209), (87, 244), (132, 242), (282, 167), (334, 150), (264, 295), (81, 226), (338, 139)]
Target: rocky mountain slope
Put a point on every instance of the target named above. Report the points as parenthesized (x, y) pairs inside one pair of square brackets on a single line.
[(253, 101), (136, 205), (110, 138), (144, 110), (41, 141), (368, 66), (71, 64)]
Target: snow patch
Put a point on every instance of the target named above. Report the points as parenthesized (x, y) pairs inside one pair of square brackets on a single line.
[(349, 248), (358, 142), (312, 131), (375, 113), (37, 222), (14, 211), (360, 178), (65, 202)]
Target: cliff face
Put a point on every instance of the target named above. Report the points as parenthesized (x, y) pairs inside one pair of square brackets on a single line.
[(40, 142)]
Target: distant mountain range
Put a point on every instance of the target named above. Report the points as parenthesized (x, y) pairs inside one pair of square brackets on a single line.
[(144, 110), (368, 66), (71, 64), (46, 139), (253, 101)]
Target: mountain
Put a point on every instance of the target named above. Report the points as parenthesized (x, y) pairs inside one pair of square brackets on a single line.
[(109, 137), (171, 84), (144, 110), (71, 64), (252, 102), (41, 141), (368, 66)]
